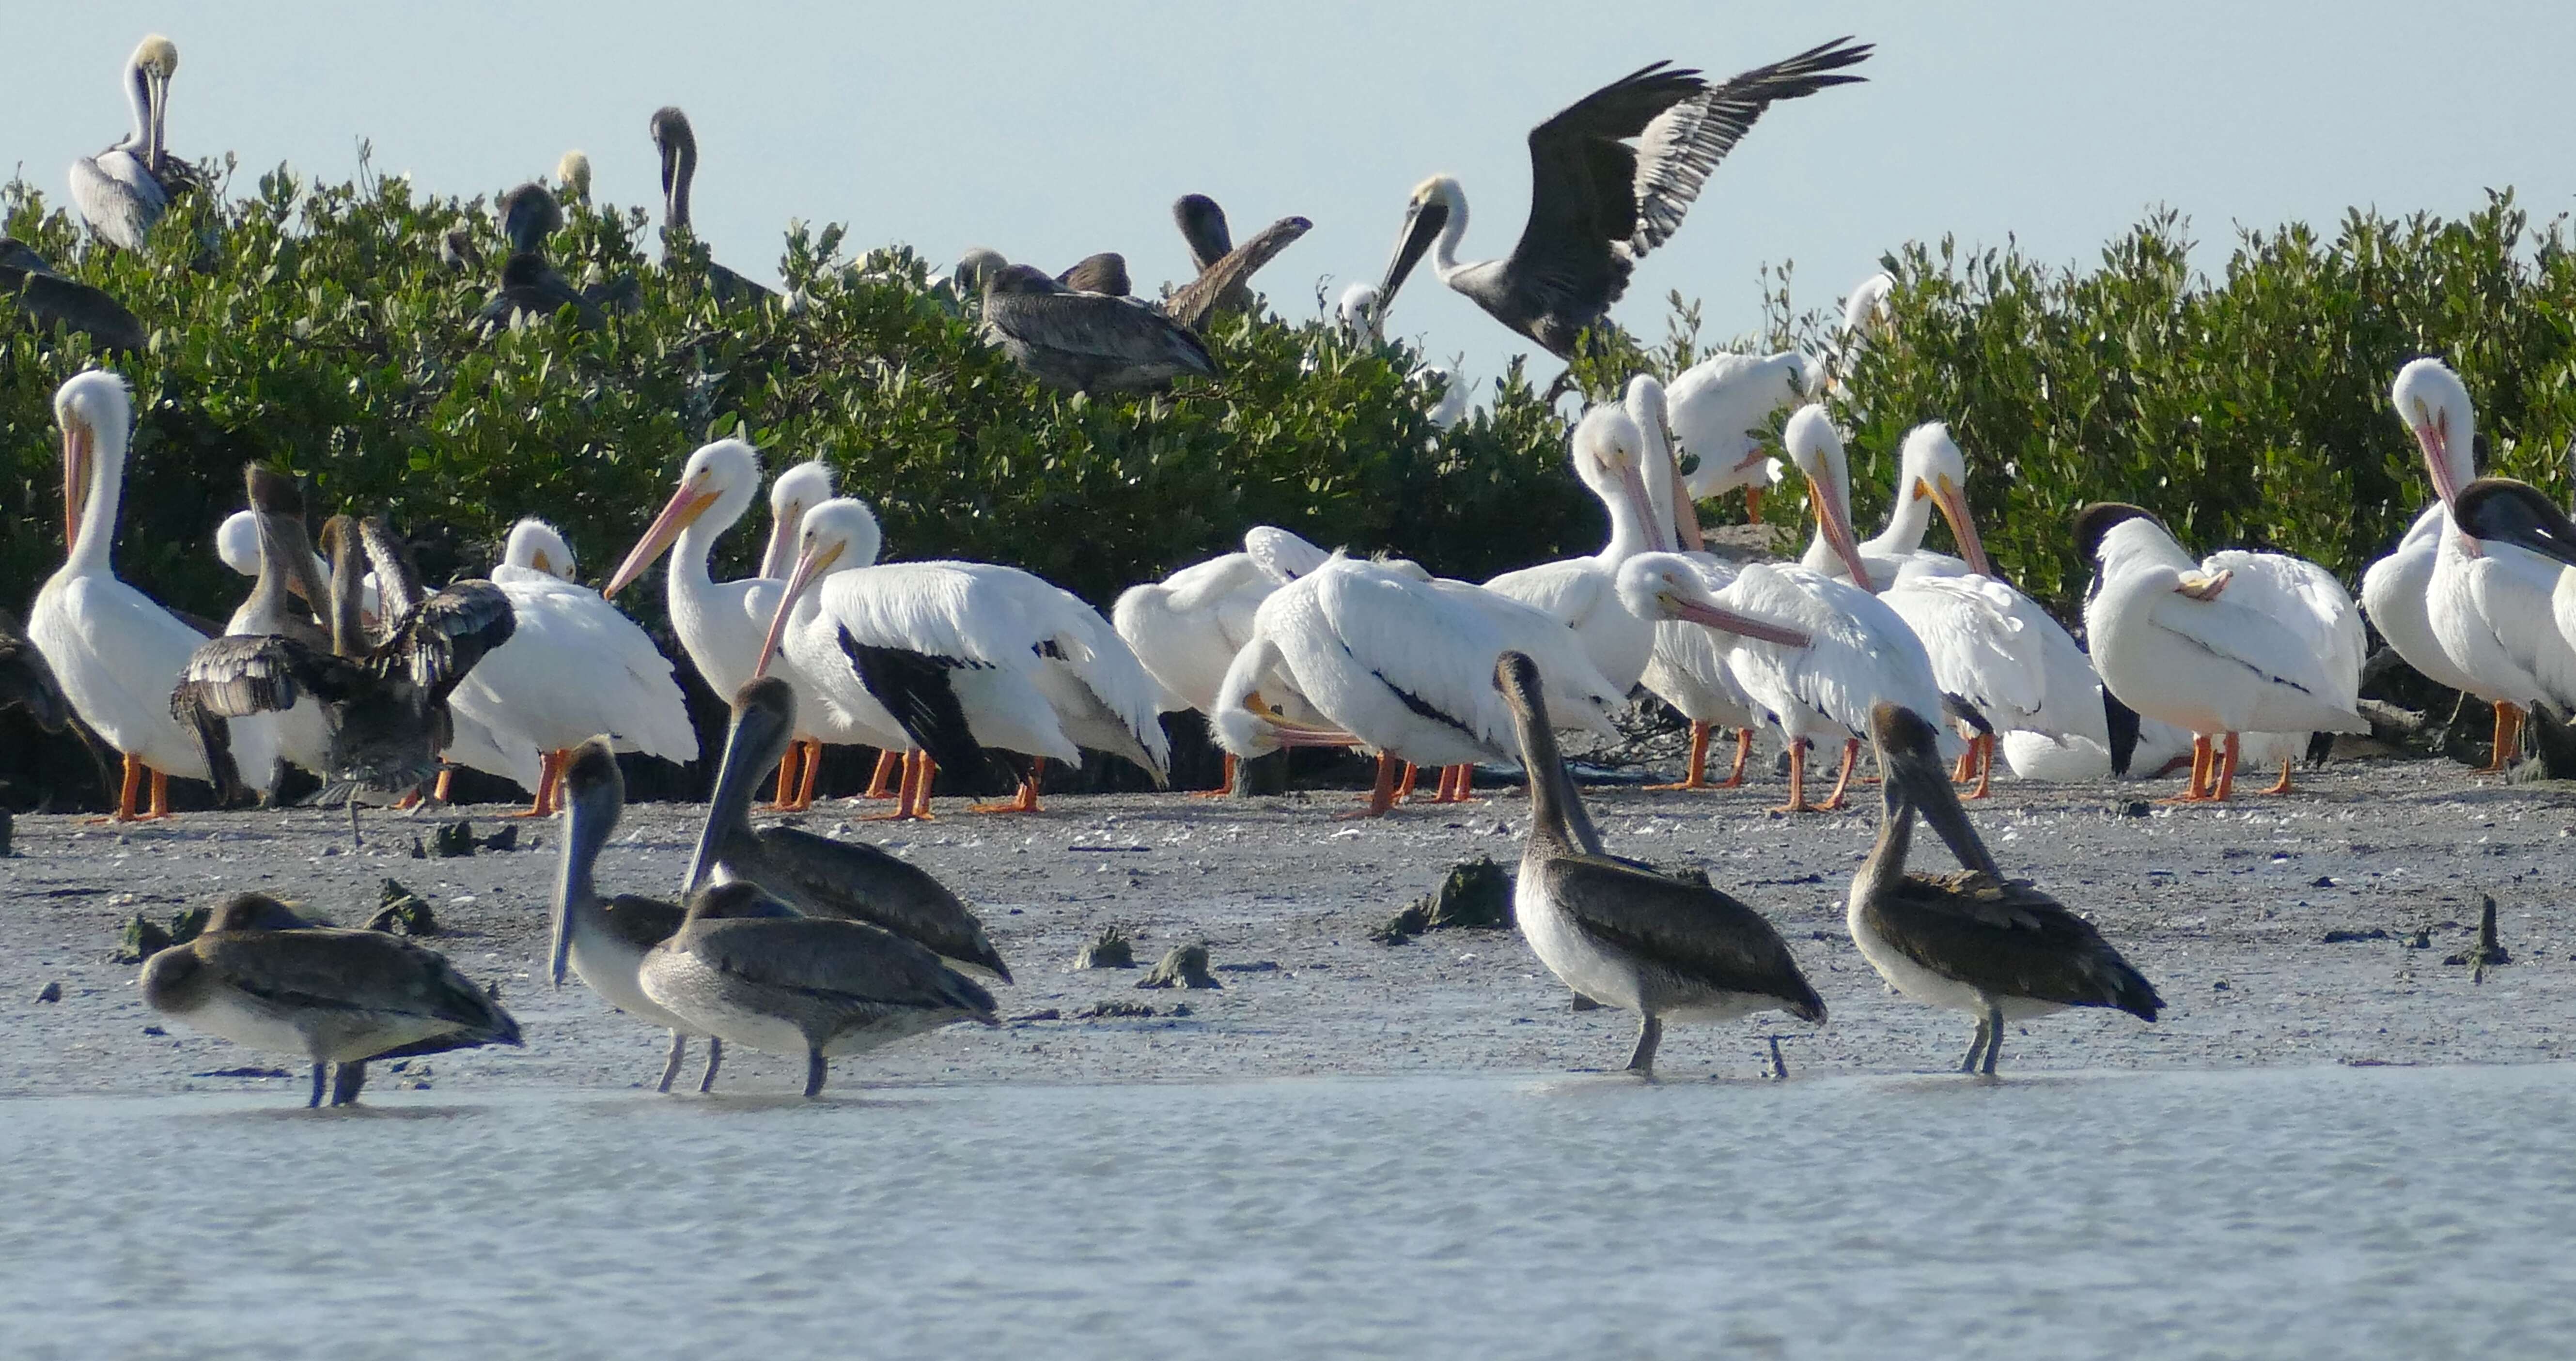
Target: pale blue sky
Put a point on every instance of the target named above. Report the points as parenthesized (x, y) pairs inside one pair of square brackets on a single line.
[(1049, 131)]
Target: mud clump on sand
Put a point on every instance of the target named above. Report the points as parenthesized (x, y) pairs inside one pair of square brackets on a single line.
[(1109, 950), (1114, 1011), (143, 937), (1186, 966), (1475, 893), (401, 912)]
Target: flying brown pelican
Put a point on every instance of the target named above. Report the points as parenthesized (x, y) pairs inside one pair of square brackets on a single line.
[(1620, 933), (678, 144), (801, 985), (605, 939), (51, 299), (385, 704), (26, 682), (818, 876), (1223, 284), (123, 190), (1977, 942), (1597, 202), (1086, 342), (261, 976)]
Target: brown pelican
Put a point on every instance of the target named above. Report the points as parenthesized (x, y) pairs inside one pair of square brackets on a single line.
[(1620, 933), (1086, 342), (1224, 268), (818, 876), (26, 683), (385, 704), (605, 939), (123, 190), (50, 299), (1597, 202), (263, 977), (1105, 272), (1976, 941), (530, 283), (285, 570), (678, 145), (801, 985)]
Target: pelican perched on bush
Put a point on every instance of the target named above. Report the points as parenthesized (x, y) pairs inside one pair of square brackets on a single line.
[(2218, 648), (1598, 201), (123, 190), (677, 143), (1087, 342), (1224, 268)]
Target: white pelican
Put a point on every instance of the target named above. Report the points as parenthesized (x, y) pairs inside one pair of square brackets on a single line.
[(122, 191), (2495, 512), (791, 494), (118, 654), (2508, 561), (963, 655), (575, 668), (1687, 668), (1186, 629), (2421, 596), (1718, 407), (1930, 473), (2178, 640), (1610, 449), (1597, 203)]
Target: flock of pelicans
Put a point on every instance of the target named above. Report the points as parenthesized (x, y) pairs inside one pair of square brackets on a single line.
[(350, 666)]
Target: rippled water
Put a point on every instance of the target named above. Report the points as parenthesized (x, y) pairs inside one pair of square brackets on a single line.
[(2303, 1212)]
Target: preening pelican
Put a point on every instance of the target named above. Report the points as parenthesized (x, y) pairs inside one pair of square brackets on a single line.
[(575, 667), (572, 176), (1976, 942), (2515, 546), (1624, 935), (1087, 342), (963, 656), (2468, 601), (1931, 473), (50, 298), (286, 568), (1186, 629), (1610, 452), (1687, 667), (738, 970), (1599, 203), (1717, 408), (2177, 640), (677, 144), (117, 653), (263, 977), (1223, 277), (122, 191), (816, 875)]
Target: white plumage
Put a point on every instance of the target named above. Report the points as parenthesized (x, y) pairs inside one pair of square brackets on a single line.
[(1610, 448)]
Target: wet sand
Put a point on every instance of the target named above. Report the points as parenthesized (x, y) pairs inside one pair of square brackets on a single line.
[(2225, 910)]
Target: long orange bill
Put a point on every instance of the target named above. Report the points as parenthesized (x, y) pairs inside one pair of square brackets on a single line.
[(683, 509)]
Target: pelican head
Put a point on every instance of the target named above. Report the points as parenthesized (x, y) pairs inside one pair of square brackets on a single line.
[(1865, 312), (796, 491), (2098, 528), (764, 724), (1917, 777), (2502, 510), (155, 60), (1932, 466), (535, 544), (1668, 586), (2435, 405), (1609, 455), (96, 413), (1816, 449), (840, 533), (529, 214), (594, 797), (1356, 309), (158, 55), (1203, 226), (1517, 677), (572, 175), (254, 912), (1021, 279), (723, 476), (678, 144), (1437, 212), (977, 266)]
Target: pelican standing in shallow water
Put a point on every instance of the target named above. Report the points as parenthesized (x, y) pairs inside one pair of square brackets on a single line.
[(739, 971), (1598, 202), (605, 939), (263, 977), (123, 190), (1976, 942), (1624, 935), (815, 875), (117, 653)]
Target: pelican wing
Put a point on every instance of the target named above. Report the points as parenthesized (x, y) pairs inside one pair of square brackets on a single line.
[(834, 962), (2310, 603), (242, 674), (2009, 938), (1686, 141), (1437, 658), (1224, 283), (357, 971), (1981, 649), (1098, 328), (118, 197), (445, 635), (2258, 639), (1688, 929)]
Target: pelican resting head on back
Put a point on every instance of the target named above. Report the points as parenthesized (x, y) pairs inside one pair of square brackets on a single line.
[(122, 191), (1598, 200), (1087, 342)]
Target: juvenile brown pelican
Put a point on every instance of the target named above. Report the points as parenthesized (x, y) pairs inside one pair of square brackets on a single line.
[(263, 977), (26, 683), (802, 985), (1105, 272), (123, 190), (818, 876), (605, 939), (678, 145), (1620, 933), (1223, 280), (50, 299), (1598, 203), (1977, 942), (1086, 342), (286, 569), (530, 283)]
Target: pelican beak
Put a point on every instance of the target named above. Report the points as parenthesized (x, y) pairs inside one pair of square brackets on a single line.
[(1836, 524), (781, 549), (1953, 502), (1632, 484), (1917, 768), (1685, 525), (76, 461), (158, 86), (1289, 733), (2433, 435), (1733, 621), (2205, 587), (754, 732), (808, 566), (559, 952), (683, 510), (1422, 224)]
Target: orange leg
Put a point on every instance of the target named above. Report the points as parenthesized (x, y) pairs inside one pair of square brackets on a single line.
[(2283, 787), (2508, 739), (2226, 772), (1743, 752), (1026, 801), (1981, 750), (908, 775), (1851, 757), (160, 797), (1697, 776), (446, 778), (549, 770), (1224, 783), (129, 794), (813, 767), (1404, 787), (926, 775), (2198, 792), (784, 800), (1966, 769), (1752, 505), (1382, 795), (1455, 782), (889, 766), (1797, 780)]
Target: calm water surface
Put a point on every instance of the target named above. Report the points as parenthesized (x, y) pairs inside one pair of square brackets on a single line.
[(2418, 1212)]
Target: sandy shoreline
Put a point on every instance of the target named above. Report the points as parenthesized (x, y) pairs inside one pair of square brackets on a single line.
[(2224, 910)]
